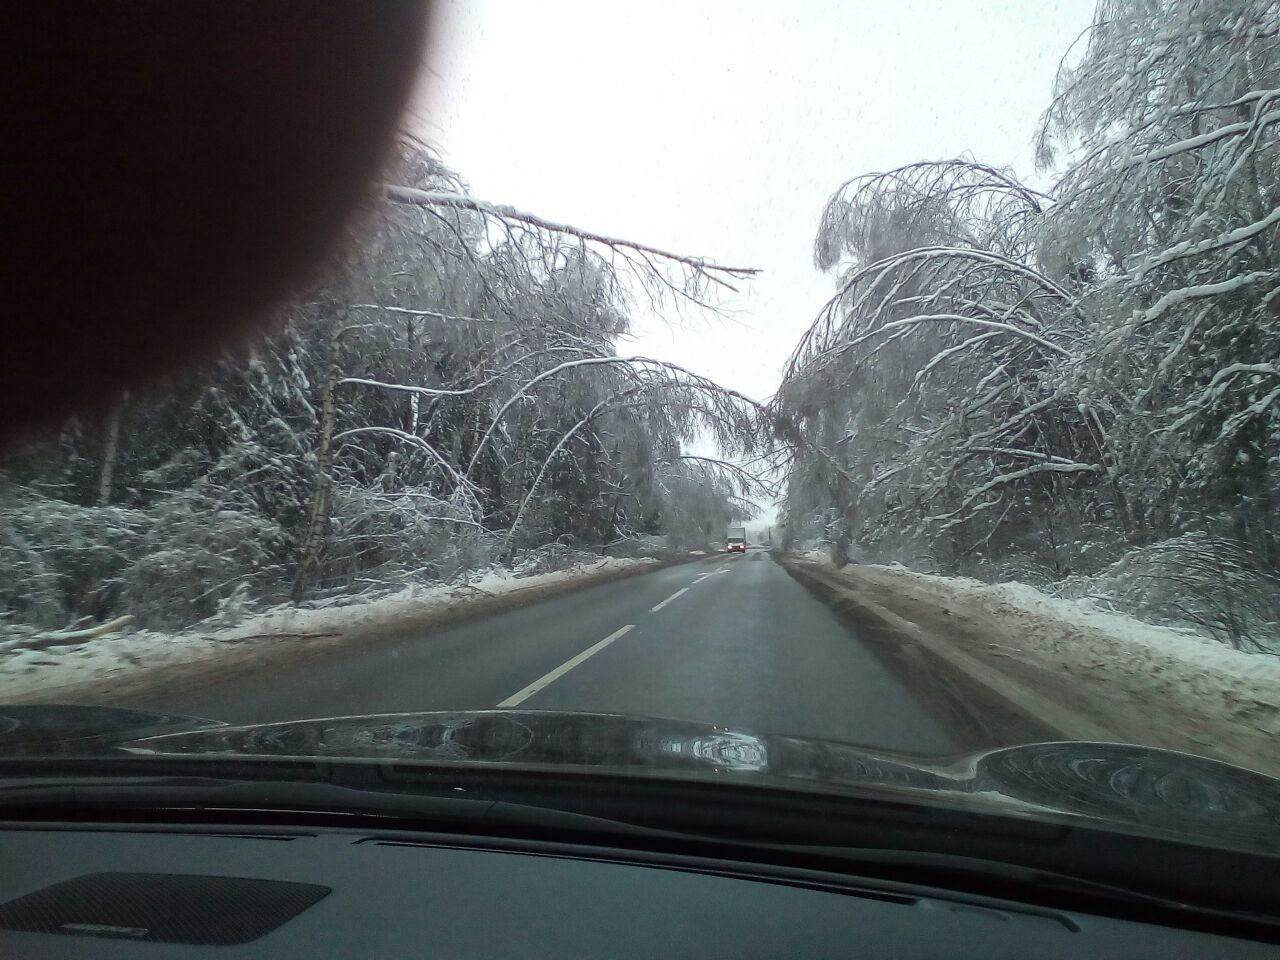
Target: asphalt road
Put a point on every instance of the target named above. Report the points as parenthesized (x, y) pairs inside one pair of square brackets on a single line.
[(729, 640)]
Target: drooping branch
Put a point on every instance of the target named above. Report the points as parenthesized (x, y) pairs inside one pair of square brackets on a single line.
[(433, 314), (546, 463), (636, 365), (700, 266), (744, 480), (462, 391), (460, 481), (955, 318)]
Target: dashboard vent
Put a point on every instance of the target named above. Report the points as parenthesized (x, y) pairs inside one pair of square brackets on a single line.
[(161, 907)]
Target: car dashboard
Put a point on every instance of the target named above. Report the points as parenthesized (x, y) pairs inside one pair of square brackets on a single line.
[(87, 890)]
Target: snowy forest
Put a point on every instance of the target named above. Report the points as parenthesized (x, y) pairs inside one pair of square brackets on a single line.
[(1073, 384), (1077, 385), (449, 398)]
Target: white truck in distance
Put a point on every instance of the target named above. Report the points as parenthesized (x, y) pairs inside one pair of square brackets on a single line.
[(735, 540)]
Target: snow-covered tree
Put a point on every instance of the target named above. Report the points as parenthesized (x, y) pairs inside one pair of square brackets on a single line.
[(450, 396), (940, 388), (1168, 124), (1031, 383)]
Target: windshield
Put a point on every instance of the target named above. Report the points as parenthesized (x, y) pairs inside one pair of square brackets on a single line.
[(901, 375)]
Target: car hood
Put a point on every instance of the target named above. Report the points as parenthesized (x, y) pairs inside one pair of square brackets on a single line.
[(1133, 788)]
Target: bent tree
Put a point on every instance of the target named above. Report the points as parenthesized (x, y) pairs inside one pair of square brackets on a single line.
[(450, 395), (1027, 382), (542, 433)]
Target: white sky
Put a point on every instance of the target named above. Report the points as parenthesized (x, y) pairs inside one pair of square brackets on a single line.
[(720, 129)]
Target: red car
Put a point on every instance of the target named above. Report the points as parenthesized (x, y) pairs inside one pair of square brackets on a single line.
[(735, 545)]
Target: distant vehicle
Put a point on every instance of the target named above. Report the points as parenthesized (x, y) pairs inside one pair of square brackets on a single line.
[(736, 540)]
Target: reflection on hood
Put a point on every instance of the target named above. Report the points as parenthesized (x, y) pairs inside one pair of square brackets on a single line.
[(1139, 788)]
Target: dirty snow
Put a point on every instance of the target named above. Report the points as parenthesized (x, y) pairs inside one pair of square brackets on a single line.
[(27, 671), (1156, 685)]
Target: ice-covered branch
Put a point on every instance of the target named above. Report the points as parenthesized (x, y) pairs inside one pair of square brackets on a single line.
[(1175, 298), (1189, 248), (459, 201), (433, 314), (460, 481), (955, 318)]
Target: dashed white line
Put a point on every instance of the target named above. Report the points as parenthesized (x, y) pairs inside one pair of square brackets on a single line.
[(518, 698), (657, 607)]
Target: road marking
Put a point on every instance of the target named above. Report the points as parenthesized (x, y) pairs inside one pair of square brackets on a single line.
[(655, 609), (518, 698)]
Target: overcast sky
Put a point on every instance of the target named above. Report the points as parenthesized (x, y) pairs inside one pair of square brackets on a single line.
[(719, 129)]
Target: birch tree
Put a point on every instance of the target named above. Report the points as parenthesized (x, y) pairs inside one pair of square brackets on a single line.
[(942, 380), (1168, 125), (448, 397), (1035, 384)]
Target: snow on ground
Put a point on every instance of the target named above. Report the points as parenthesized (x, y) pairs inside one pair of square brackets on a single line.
[(27, 671), (1151, 684)]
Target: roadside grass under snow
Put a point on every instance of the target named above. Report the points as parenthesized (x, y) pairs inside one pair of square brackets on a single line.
[(25, 671), (1149, 684)]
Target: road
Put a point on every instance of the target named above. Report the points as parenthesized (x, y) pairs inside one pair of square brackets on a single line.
[(729, 640)]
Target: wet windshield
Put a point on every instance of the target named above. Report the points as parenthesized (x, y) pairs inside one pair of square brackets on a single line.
[(906, 375)]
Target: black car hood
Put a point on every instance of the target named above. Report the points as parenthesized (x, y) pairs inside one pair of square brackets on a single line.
[(1137, 789)]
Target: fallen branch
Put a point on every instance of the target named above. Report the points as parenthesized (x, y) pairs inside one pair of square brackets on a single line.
[(71, 638)]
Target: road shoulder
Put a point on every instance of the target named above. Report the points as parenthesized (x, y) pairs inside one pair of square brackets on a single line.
[(979, 711), (1055, 673)]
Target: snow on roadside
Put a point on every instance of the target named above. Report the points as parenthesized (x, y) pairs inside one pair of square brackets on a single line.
[(26, 671), (1147, 677)]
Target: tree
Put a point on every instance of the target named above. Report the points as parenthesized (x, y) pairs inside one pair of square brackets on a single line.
[(449, 396), (1171, 196), (942, 381), (1026, 383)]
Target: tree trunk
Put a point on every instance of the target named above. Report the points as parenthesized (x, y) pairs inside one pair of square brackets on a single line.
[(313, 540), (842, 498), (110, 450), (508, 547), (611, 531), (414, 411)]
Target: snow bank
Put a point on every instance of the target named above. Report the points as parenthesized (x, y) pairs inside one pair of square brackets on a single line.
[(26, 672), (1155, 685)]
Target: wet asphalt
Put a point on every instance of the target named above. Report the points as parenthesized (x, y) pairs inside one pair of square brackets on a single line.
[(731, 640)]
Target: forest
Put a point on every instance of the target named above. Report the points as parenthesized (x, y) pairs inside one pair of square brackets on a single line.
[(450, 397), (1074, 385), (1078, 385)]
